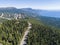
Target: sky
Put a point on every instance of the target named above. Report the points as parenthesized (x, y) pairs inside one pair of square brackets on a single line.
[(35, 4)]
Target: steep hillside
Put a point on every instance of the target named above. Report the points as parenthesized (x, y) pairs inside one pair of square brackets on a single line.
[(11, 12)]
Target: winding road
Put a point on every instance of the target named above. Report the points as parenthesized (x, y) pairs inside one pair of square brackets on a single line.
[(23, 42)]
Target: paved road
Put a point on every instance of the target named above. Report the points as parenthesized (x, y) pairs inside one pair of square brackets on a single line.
[(23, 42)]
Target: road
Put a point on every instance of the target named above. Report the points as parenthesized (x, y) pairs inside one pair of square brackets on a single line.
[(23, 42), (5, 18)]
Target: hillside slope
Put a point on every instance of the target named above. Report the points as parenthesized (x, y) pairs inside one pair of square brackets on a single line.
[(43, 35)]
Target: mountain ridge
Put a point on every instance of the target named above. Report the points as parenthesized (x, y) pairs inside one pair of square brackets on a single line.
[(36, 12), (31, 13)]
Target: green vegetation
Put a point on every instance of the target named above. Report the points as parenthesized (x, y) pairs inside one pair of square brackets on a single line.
[(43, 35), (11, 31), (44, 31), (51, 21), (2, 20)]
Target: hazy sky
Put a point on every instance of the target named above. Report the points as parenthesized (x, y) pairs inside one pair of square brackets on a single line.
[(36, 4)]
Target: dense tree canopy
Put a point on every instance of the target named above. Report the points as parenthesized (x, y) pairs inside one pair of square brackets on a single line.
[(11, 31), (43, 35)]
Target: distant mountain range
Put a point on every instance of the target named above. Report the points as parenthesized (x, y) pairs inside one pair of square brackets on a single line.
[(49, 13), (46, 17), (51, 18), (29, 11)]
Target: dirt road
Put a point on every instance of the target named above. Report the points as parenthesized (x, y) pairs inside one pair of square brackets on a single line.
[(23, 42)]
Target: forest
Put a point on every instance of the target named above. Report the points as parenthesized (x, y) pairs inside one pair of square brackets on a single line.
[(43, 35), (11, 31)]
